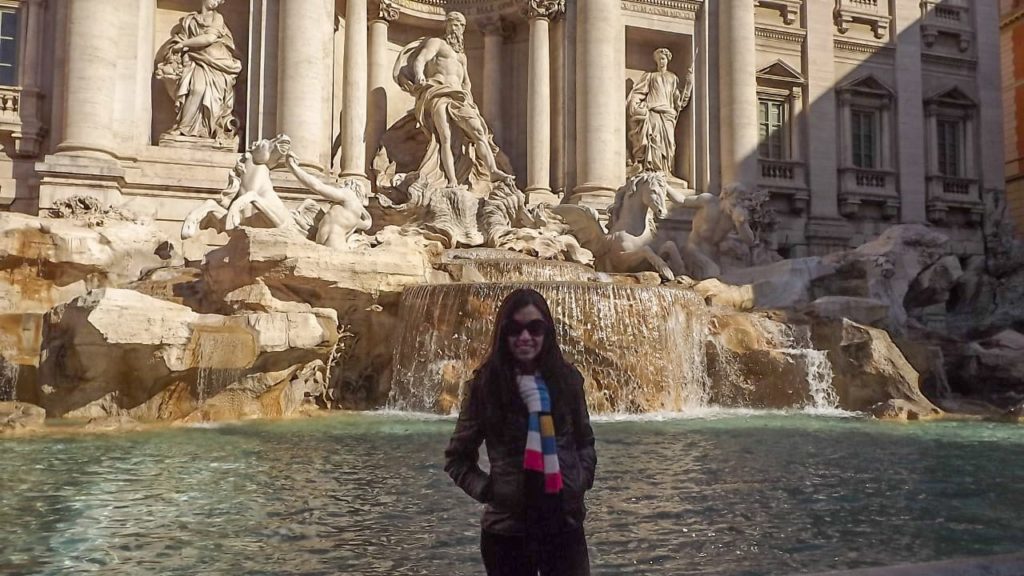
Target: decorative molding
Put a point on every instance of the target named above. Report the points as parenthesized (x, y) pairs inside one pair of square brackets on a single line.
[(789, 10), (1012, 19), (947, 61), (546, 9), (866, 12), (679, 9), (436, 9), (863, 47), (782, 35), (385, 10), (781, 72)]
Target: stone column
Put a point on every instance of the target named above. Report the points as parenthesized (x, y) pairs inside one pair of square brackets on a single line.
[(600, 102), (738, 66), (304, 40), (989, 149), (538, 106), (932, 141), (496, 30), (822, 161), (909, 126), (970, 169), (353, 106), (379, 76), (29, 138), (91, 84), (558, 106)]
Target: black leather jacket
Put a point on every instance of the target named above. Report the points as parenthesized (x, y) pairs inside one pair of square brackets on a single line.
[(502, 489)]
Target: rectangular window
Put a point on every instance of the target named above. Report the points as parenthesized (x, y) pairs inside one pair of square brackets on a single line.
[(865, 138), (8, 46), (949, 141), (772, 122)]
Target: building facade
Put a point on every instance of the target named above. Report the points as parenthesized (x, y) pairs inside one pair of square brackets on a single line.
[(1011, 39), (854, 114)]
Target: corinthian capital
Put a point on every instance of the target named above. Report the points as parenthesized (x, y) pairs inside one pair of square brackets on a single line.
[(549, 9), (384, 10)]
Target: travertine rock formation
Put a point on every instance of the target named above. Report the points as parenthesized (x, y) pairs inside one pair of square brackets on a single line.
[(867, 367), (116, 351)]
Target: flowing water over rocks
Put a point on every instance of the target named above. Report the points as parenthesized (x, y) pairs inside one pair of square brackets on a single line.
[(641, 348)]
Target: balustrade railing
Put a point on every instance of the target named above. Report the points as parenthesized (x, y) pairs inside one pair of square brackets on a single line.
[(10, 100), (869, 179), (956, 186), (777, 170)]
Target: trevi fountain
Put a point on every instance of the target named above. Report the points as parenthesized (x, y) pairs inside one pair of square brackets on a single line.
[(260, 376)]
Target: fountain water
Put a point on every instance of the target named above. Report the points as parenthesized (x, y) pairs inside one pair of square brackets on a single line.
[(8, 381), (641, 348), (759, 362)]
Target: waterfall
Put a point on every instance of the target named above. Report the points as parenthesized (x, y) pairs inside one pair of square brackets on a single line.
[(8, 381), (742, 378), (641, 348), (213, 381)]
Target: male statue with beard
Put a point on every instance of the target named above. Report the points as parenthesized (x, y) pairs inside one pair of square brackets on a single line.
[(434, 71)]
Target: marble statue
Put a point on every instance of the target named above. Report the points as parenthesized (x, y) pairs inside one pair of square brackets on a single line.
[(509, 224), (461, 149), (250, 200), (347, 214), (249, 192), (200, 65), (718, 216), (632, 229), (653, 108)]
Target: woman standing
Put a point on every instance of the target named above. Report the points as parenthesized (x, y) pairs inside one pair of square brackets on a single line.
[(527, 403), (201, 66)]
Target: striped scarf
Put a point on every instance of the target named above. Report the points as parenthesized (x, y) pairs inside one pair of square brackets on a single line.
[(541, 447)]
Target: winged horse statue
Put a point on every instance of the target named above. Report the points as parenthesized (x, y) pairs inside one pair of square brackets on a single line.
[(629, 244)]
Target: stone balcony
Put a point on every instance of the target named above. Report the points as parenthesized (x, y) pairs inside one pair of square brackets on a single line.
[(787, 178), (19, 111), (863, 185), (947, 192), (871, 13), (951, 17), (10, 108), (788, 9)]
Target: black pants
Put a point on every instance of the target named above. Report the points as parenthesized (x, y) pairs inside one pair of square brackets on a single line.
[(562, 554)]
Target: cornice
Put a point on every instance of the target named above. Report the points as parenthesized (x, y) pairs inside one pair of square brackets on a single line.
[(949, 61), (791, 36), (862, 47), (1012, 18), (679, 9), (436, 9)]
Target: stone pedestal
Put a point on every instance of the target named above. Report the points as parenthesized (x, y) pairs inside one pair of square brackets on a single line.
[(191, 142)]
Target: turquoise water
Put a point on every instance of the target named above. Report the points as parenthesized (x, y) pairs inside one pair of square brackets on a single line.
[(366, 494)]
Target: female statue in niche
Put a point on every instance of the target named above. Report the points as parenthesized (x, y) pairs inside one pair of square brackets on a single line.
[(652, 110), (199, 67)]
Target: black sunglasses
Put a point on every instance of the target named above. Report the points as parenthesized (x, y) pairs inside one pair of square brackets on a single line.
[(536, 327)]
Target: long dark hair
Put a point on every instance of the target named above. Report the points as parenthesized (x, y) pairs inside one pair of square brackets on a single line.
[(498, 368)]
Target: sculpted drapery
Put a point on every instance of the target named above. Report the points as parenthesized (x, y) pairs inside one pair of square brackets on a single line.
[(200, 67), (652, 110)]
